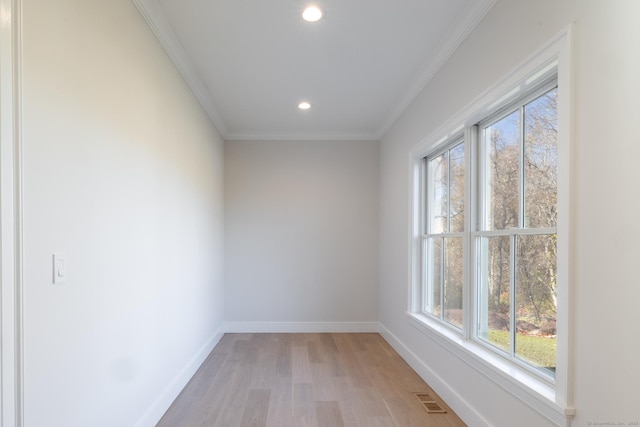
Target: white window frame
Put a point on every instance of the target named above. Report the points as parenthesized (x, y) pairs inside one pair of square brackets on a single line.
[(550, 397), (428, 234), (541, 86)]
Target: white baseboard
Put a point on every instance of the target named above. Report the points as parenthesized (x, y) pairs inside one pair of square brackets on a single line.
[(166, 398), (453, 399), (300, 327)]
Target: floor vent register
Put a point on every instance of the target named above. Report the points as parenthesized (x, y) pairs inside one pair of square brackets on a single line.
[(429, 404)]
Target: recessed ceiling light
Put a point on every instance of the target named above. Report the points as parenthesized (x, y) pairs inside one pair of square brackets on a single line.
[(312, 14), (304, 106)]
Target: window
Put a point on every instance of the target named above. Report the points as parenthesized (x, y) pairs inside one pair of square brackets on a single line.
[(443, 242), (490, 263), (515, 244), (512, 256)]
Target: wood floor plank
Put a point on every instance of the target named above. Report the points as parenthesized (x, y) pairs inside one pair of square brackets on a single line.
[(301, 371), (329, 414), (304, 380), (349, 361), (304, 404), (313, 352), (282, 353), (281, 406), (256, 409), (380, 422)]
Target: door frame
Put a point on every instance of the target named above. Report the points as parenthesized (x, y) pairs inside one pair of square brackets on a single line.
[(11, 351)]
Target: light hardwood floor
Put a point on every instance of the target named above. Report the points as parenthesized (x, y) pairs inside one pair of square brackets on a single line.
[(298, 380)]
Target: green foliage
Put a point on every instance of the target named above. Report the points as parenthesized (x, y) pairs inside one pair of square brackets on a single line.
[(537, 350)]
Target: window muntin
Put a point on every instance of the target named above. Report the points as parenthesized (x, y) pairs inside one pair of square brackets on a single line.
[(516, 242), (443, 247)]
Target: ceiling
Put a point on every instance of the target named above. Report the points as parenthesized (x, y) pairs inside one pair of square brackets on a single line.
[(251, 62)]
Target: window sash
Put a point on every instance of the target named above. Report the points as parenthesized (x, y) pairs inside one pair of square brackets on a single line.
[(428, 176), (480, 331), (430, 290), (518, 105), (442, 282), (486, 229)]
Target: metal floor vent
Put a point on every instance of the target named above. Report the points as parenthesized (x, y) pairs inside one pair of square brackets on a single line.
[(429, 404)]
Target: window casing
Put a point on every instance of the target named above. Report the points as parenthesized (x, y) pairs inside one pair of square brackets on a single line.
[(542, 390)]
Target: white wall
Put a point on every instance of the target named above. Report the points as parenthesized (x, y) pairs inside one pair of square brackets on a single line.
[(606, 243), (123, 172), (301, 232)]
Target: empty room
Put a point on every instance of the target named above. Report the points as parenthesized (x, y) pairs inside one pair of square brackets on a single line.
[(319, 213)]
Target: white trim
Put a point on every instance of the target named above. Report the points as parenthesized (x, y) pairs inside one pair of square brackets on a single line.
[(10, 214), (483, 104), (553, 403), (461, 407), (157, 21), (301, 327), (167, 397), (532, 391), (373, 137), (566, 208)]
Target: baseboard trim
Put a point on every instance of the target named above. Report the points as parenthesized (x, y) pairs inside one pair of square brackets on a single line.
[(166, 398), (453, 399), (300, 327)]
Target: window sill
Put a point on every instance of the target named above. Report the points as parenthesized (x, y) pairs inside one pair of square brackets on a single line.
[(528, 388)]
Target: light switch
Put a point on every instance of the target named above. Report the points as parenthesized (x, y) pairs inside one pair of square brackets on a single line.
[(59, 268)]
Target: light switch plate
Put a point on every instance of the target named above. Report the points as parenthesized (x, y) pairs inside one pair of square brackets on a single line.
[(59, 268)]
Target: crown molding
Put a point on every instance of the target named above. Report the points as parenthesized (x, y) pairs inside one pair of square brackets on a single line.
[(448, 44), (157, 21), (302, 137)]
